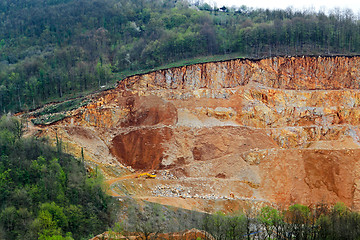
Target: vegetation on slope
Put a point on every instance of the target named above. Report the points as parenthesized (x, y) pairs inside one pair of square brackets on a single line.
[(51, 50), (45, 193), (297, 222)]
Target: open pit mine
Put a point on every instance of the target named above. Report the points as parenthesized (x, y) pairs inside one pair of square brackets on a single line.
[(279, 130)]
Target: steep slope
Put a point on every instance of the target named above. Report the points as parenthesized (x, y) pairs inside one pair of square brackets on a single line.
[(282, 130)]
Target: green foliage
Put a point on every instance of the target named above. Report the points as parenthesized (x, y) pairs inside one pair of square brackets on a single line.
[(56, 112), (46, 194), (339, 223), (298, 214), (61, 107), (45, 225), (297, 222), (270, 216), (340, 208), (272, 220), (59, 49), (118, 228), (48, 119), (223, 226), (58, 237), (11, 128)]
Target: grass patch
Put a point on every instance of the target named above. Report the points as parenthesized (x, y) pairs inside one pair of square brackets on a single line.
[(61, 107), (184, 62), (56, 112), (48, 119)]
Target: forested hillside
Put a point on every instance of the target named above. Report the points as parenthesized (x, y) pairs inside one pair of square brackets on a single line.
[(57, 49), (45, 193)]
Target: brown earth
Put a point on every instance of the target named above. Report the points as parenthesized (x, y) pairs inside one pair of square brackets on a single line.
[(280, 130), (145, 151)]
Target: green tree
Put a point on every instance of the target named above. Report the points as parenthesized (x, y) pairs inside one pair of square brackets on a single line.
[(272, 221), (44, 192)]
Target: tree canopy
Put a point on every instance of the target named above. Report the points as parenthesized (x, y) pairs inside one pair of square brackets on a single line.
[(45, 193), (52, 50)]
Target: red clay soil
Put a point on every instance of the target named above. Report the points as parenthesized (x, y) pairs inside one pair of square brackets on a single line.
[(141, 149), (215, 142), (148, 111), (311, 176)]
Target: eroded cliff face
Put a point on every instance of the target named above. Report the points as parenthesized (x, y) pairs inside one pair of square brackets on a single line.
[(283, 129)]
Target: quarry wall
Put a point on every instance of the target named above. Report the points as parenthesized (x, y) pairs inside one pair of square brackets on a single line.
[(281, 129)]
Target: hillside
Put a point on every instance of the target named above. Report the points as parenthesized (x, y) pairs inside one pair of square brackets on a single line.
[(278, 130), (46, 193), (199, 108), (55, 50)]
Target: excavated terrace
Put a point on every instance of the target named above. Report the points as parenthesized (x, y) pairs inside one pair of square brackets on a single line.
[(279, 130)]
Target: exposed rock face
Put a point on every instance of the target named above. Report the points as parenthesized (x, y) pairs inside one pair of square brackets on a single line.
[(283, 129), (295, 73)]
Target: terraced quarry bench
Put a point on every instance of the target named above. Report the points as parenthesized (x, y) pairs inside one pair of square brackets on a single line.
[(279, 130)]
